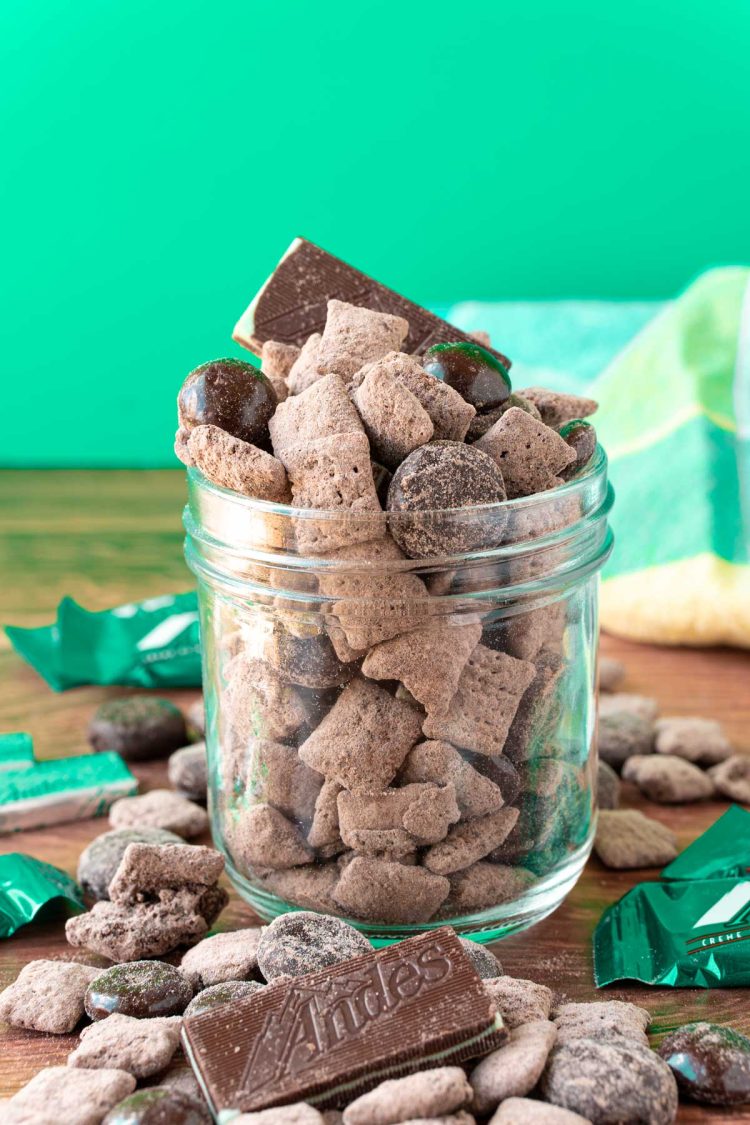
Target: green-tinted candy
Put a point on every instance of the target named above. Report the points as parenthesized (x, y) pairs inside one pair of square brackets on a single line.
[(478, 376)]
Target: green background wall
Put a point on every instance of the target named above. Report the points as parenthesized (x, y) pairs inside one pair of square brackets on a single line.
[(159, 155)]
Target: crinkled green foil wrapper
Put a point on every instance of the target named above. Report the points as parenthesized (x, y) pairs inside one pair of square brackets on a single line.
[(27, 886), (149, 644), (691, 930)]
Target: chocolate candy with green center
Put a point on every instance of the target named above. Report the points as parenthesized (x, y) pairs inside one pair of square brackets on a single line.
[(230, 394), (711, 1063), (141, 989), (478, 376), (580, 436), (157, 1106)]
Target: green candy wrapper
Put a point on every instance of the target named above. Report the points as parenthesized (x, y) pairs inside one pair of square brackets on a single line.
[(16, 751), (149, 644), (27, 885), (692, 930), (62, 789)]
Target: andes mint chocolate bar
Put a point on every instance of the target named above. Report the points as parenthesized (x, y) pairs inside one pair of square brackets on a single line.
[(292, 303), (329, 1036)]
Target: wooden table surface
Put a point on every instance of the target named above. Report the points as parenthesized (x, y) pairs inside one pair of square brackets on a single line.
[(110, 537)]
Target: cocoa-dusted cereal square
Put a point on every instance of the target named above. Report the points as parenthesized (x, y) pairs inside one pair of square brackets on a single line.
[(354, 336), (470, 841), (260, 836), (258, 703), (235, 464), (47, 996), (450, 414), (130, 933), (380, 890), (484, 885), (397, 821), (529, 454), (325, 834), (427, 661), (556, 408), (440, 762), (277, 776), (304, 371), (364, 739), (146, 870), (395, 421), (322, 411)]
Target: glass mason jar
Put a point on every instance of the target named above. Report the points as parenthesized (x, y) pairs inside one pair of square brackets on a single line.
[(402, 741)]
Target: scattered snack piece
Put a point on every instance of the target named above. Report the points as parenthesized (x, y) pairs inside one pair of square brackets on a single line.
[(47, 996), (228, 992), (364, 738), (529, 454), (608, 1082), (429, 1093), (130, 933), (696, 740), (524, 1111), (483, 959), (304, 371), (469, 841), (235, 464), (427, 661), (519, 1001), (514, 1069), (607, 786), (187, 770), (440, 762), (141, 1047), (478, 376), (298, 1114), (711, 1063), (446, 475), (622, 735), (622, 701), (603, 1019), (223, 957), (138, 727), (482, 710), (147, 871), (275, 775), (486, 420), (611, 673), (334, 475), (62, 1094), (308, 888), (667, 779), (229, 394), (324, 410), (141, 989), (397, 821), (277, 361), (310, 660), (324, 834), (379, 890), (260, 702), (98, 862), (161, 808), (395, 421), (159, 1105), (264, 837), (626, 838), (557, 408), (354, 336), (449, 413), (485, 884), (304, 942), (732, 778)]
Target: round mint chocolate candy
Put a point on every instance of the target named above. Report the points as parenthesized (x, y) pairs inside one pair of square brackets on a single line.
[(224, 993), (99, 861), (230, 394), (303, 942), (138, 727), (158, 1105), (711, 1063), (141, 989), (580, 436), (480, 378), (484, 960)]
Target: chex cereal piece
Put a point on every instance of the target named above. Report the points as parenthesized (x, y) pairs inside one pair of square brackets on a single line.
[(147, 869), (131, 933), (276, 775), (557, 408), (323, 410), (222, 957), (525, 634), (397, 820), (354, 336), (309, 660), (696, 740), (602, 1019), (98, 862), (519, 1001), (427, 661), (450, 414), (667, 779), (324, 834), (429, 1093), (732, 778), (384, 891), (304, 371), (374, 606), (364, 739), (619, 702), (334, 474), (485, 884), (140, 1047), (300, 1113), (277, 360), (606, 1081), (394, 419), (47, 996), (528, 1111), (626, 838), (232, 463), (263, 837), (76, 1097), (476, 795), (529, 454), (469, 841), (161, 808), (622, 735), (310, 888), (538, 710), (489, 691), (515, 1069), (259, 703), (611, 673)]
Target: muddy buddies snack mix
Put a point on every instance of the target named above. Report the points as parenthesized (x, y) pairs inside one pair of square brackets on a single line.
[(389, 744)]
